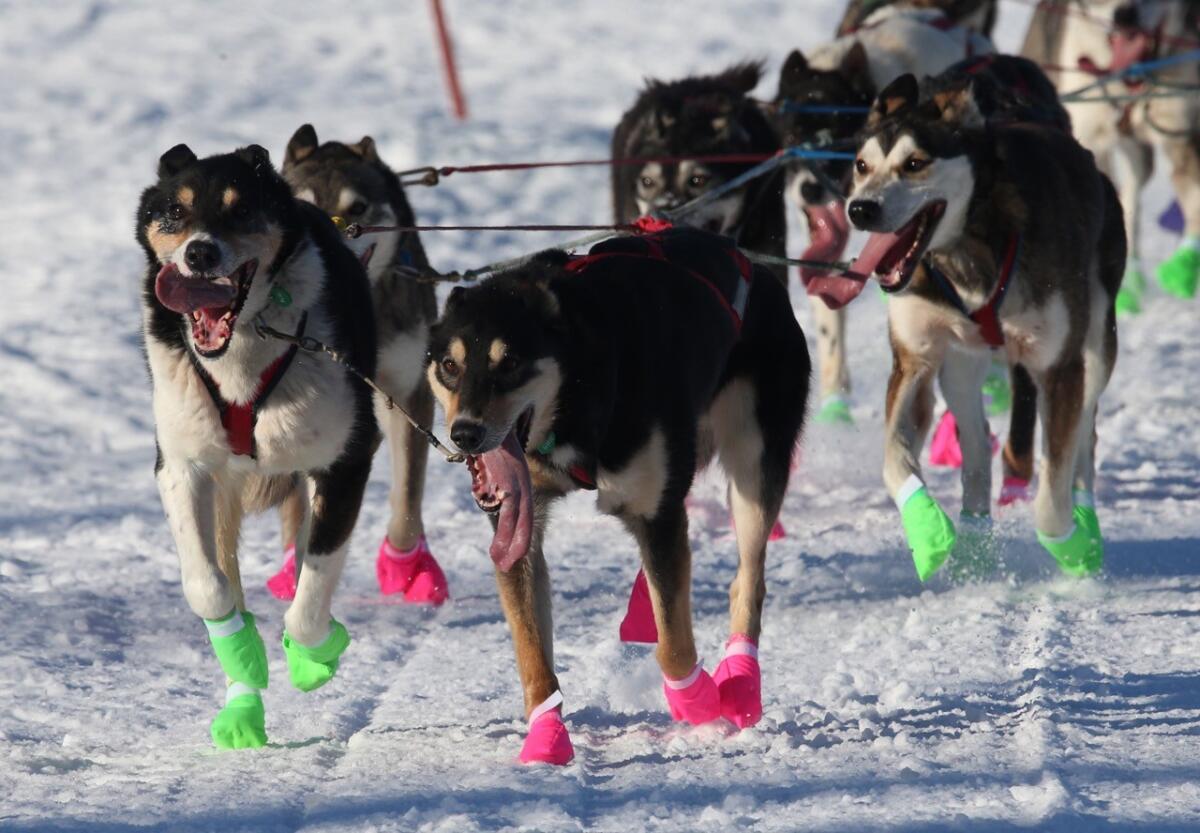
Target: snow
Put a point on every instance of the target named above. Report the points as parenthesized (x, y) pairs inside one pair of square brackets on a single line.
[(1027, 701)]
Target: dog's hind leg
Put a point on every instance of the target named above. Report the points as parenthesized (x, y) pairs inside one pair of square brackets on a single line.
[(1018, 448), (1132, 162), (404, 563), (190, 496), (909, 411), (1180, 273), (831, 361), (313, 640), (525, 597), (691, 694)]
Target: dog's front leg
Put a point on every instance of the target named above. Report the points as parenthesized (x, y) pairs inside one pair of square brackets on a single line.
[(525, 597), (312, 639), (1180, 273), (831, 360), (909, 411), (189, 498)]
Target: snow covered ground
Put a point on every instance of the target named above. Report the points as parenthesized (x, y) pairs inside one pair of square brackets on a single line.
[(1027, 700)]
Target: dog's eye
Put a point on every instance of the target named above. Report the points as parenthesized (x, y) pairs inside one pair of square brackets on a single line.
[(450, 368), (356, 208), (176, 212), (509, 363), (913, 164), (647, 182), (698, 181), (240, 211), (860, 167)]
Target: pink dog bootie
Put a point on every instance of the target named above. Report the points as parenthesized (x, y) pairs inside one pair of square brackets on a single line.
[(548, 741), (944, 449), (694, 699), (778, 533), (1014, 490), (414, 573), (283, 584), (638, 624), (739, 682)]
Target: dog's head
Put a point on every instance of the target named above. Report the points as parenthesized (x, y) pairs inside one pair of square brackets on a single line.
[(802, 86), (351, 182), (914, 178), (494, 358), (215, 232), (694, 117)]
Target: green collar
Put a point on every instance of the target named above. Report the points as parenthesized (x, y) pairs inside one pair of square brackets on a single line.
[(548, 445)]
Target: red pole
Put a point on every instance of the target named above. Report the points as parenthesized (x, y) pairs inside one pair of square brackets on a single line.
[(456, 95)]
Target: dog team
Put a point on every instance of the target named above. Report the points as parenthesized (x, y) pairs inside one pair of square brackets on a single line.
[(624, 370)]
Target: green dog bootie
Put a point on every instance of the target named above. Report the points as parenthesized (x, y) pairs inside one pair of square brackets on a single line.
[(835, 410), (930, 532), (1180, 273), (974, 554), (997, 390), (311, 668), (1133, 284), (242, 723), (1081, 551), (239, 648)]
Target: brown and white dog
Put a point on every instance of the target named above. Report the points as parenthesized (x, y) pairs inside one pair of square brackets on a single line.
[(989, 237)]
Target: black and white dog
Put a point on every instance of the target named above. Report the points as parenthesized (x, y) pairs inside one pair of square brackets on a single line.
[(240, 419), (351, 181), (699, 117), (624, 371)]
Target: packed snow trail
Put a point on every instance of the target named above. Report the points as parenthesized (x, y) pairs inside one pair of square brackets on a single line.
[(1027, 700)]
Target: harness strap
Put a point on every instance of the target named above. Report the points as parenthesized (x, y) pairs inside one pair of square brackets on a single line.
[(986, 317), (240, 418)]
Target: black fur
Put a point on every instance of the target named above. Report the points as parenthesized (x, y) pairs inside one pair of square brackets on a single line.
[(677, 119), (1005, 88)]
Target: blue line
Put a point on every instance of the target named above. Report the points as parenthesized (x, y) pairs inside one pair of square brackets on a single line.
[(795, 107), (801, 152)]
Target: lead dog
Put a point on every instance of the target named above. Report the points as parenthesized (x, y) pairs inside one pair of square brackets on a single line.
[(845, 74), (240, 420), (623, 372), (352, 182), (989, 235)]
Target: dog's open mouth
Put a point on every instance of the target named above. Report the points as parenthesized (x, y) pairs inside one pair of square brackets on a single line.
[(502, 487), (211, 302), (892, 257)]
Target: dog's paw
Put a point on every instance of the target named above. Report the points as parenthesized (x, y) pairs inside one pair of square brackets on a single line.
[(282, 585), (974, 556), (239, 648), (1080, 552), (835, 410), (739, 682), (929, 531), (1179, 275), (416, 574), (694, 699), (310, 668), (241, 724), (548, 741)]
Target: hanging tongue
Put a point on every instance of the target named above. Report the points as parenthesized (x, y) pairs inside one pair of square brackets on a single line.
[(827, 232), (504, 474), (1128, 47), (183, 294), (886, 250)]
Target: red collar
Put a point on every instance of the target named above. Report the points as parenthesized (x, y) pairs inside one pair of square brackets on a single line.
[(240, 418), (987, 316)]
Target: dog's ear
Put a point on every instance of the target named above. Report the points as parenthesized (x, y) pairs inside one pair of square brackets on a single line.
[(175, 160), (301, 145), (957, 106), (896, 97), (366, 149), (855, 65), (455, 297), (796, 64), (254, 155)]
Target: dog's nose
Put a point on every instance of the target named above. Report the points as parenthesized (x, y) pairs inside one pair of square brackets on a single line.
[(468, 434), (864, 213), (811, 192), (201, 256)]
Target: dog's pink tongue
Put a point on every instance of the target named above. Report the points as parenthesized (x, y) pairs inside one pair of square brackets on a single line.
[(1128, 47), (877, 255), (508, 473), (828, 231), (183, 294)]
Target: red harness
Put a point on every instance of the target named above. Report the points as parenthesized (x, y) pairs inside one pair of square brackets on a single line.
[(240, 418), (986, 317)]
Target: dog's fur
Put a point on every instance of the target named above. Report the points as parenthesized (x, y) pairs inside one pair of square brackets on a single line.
[(351, 181), (977, 15), (317, 426), (849, 71), (701, 116), (637, 372), (1123, 136), (1058, 317)]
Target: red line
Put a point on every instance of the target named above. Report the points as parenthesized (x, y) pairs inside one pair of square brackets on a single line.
[(456, 94), (728, 158)]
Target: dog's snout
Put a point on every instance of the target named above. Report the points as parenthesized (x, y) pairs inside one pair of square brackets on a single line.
[(864, 213), (811, 192), (468, 434), (202, 256)]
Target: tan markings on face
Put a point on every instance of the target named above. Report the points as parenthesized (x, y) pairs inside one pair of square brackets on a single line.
[(229, 197), (496, 352), (186, 196), (445, 397), (164, 244), (347, 198), (458, 352)]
